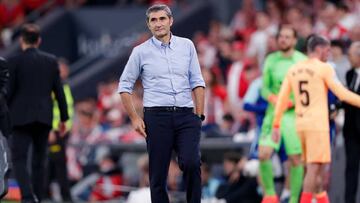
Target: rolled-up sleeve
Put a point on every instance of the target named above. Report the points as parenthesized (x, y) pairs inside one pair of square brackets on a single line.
[(195, 78), (131, 72)]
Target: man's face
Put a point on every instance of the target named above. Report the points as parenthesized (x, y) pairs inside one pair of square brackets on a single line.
[(159, 23), (354, 56), (324, 52), (64, 71), (228, 166), (286, 39), (328, 16)]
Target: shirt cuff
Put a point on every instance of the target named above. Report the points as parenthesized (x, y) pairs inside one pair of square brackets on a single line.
[(197, 85)]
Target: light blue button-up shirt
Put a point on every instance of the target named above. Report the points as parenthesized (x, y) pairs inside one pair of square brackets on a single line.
[(168, 73)]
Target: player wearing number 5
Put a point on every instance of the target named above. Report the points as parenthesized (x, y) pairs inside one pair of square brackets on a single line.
[(309, 81)]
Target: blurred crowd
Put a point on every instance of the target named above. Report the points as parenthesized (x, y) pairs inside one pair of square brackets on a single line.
[(14, 13)]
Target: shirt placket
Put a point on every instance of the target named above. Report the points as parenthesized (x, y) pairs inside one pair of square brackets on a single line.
[(171, 72)]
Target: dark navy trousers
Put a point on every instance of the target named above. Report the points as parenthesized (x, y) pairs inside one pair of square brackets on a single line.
[(173, 129)]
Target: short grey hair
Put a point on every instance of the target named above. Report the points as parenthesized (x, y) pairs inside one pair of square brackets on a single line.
[(158, 7)]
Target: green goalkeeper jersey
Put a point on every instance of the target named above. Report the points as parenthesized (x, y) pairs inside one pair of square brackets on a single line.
[(275, 69)]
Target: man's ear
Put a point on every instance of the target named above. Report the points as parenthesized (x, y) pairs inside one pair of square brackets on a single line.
[(147, 23), (171, 21), (39, 41)]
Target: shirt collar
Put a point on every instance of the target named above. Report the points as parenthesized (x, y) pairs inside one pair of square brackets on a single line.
[(357, 70), (160, 44), (280, 54)]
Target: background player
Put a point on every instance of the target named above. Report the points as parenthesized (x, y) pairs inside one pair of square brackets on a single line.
[(276, 66)]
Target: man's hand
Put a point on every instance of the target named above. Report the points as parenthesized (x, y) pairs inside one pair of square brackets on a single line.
[(276, 135), (290, 105), (333, 114), (139, 125), (52, 137), (272, 99), (62, 128)]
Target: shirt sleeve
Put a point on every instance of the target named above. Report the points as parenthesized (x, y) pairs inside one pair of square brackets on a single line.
[(130, 73), (265, 90), (282, 101), (195, 78), (338, 89), (252, 94)]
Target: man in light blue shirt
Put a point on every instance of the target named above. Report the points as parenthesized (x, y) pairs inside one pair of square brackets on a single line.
[(170, 72)]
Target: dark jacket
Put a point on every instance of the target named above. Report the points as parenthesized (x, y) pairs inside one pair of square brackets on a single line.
[(352, 114), (5, 126), (34, 75)]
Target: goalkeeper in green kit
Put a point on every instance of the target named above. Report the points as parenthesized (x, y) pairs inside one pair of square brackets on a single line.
[(275, 68)]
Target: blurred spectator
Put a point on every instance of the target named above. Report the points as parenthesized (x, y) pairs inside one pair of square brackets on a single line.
[(237, 185), (339, 59), (228, 126), (109, 105), (102, 184), (253, 102), (244, 17), (209, 184), (294, 17), (11, 13), (259, 38), (304, 31), (31, 5), (328, 24), (216, 96), (274, 10), (107, 186), (354, 34), (174, 176), (346, 18), (85, 131), (234, 74), (225, 57), (206, 51), (143, 193), (166, 2)]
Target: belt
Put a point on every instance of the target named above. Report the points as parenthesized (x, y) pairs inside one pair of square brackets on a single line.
[(168, 109)]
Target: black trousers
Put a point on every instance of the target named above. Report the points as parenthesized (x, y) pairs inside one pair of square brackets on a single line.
[(177, 130), (35, 134), (56, 169), (352, 151)]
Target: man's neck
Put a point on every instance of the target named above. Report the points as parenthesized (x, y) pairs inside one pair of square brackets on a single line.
[(165, 39), (28, 46), (287, 54), (336, 57), (313, 56)]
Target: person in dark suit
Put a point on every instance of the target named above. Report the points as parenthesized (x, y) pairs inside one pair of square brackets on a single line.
[(4, 110), (5, 127), (351, 128), (34, 75)]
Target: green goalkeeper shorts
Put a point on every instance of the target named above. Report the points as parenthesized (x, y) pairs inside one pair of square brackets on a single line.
[(288, 133)]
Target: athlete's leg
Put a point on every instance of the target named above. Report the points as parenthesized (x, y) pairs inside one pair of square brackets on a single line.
[(266, 149), (293, 150), (317, 157)]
